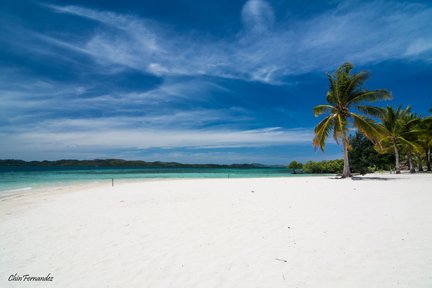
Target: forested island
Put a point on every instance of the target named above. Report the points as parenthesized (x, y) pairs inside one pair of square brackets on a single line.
[(118, 163)]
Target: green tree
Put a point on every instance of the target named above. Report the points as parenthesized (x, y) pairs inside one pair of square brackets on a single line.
[(412, 131), (294, 165), (330, 166), (424, 140), (364, 158), (344, 94), (397, 133)]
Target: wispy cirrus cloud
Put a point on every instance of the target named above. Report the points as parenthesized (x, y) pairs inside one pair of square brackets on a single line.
[(266, 50), (47, 99), (257, 16), (99, 137), (46, 124), (52, 119)]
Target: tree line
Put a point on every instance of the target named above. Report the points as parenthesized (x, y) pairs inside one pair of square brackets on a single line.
[(116, 163)]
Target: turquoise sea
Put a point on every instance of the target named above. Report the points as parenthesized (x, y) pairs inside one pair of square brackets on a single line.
[(27, 178)]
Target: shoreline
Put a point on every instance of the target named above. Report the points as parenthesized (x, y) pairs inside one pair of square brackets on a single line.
[(75, 186), (89, 183)]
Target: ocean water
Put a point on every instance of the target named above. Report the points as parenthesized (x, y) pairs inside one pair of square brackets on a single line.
[(14, 179)]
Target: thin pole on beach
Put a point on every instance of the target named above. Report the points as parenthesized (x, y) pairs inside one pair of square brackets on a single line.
[(112, 182)]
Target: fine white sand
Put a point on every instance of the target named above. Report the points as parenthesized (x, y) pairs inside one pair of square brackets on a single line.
[(275, 232)]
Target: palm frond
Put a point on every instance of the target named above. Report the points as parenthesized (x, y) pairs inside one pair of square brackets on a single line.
[(367, 127), (322, 131), (320, 109), (413, 134), (332, 96), (427, 120), (345, 68), (390, 118), (357, 81), (370, 96), (407, 110), (409, 144), (384, 147), (382, 131), (411, 122), (371, 110)]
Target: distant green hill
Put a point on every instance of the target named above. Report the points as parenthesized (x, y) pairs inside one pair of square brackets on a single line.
[(119, 163)]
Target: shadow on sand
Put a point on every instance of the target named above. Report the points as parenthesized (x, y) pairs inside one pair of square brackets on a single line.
[(372, 178), (357, 178)]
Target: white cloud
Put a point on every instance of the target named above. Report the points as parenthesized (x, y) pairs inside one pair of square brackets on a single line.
[(153, 124), (362, 32), (157, 69), (257, 16), (38, 100), (418, 47), (84, 137)]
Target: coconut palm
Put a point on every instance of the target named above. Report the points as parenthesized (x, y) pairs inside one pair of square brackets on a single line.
[(412, 132), (421, 142), (424, 140), (398, 132), (344, 94)]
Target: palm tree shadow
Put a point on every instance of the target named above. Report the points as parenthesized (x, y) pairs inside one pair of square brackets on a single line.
[(360, 178), (357, 178)]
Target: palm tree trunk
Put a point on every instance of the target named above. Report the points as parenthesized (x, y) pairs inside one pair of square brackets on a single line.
[(346, 170), (397, 158), (410, 161), (419, 163), (428, 156)]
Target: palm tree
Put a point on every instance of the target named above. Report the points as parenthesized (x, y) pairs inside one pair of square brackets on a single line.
[(345, 93), (411, 132), (421, 142), (398, 132), (424, 140)]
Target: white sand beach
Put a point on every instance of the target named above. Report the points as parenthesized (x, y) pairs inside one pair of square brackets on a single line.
[(273, 232)]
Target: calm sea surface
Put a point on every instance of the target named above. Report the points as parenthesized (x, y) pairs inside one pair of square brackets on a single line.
[(27, 178)]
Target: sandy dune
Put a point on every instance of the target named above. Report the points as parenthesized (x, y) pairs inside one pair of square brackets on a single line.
[(275, 232)]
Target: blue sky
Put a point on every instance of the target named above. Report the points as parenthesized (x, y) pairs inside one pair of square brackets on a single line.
[(196, 81)]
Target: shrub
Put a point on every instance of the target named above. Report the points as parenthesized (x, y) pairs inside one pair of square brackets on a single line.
[(330, 166)]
